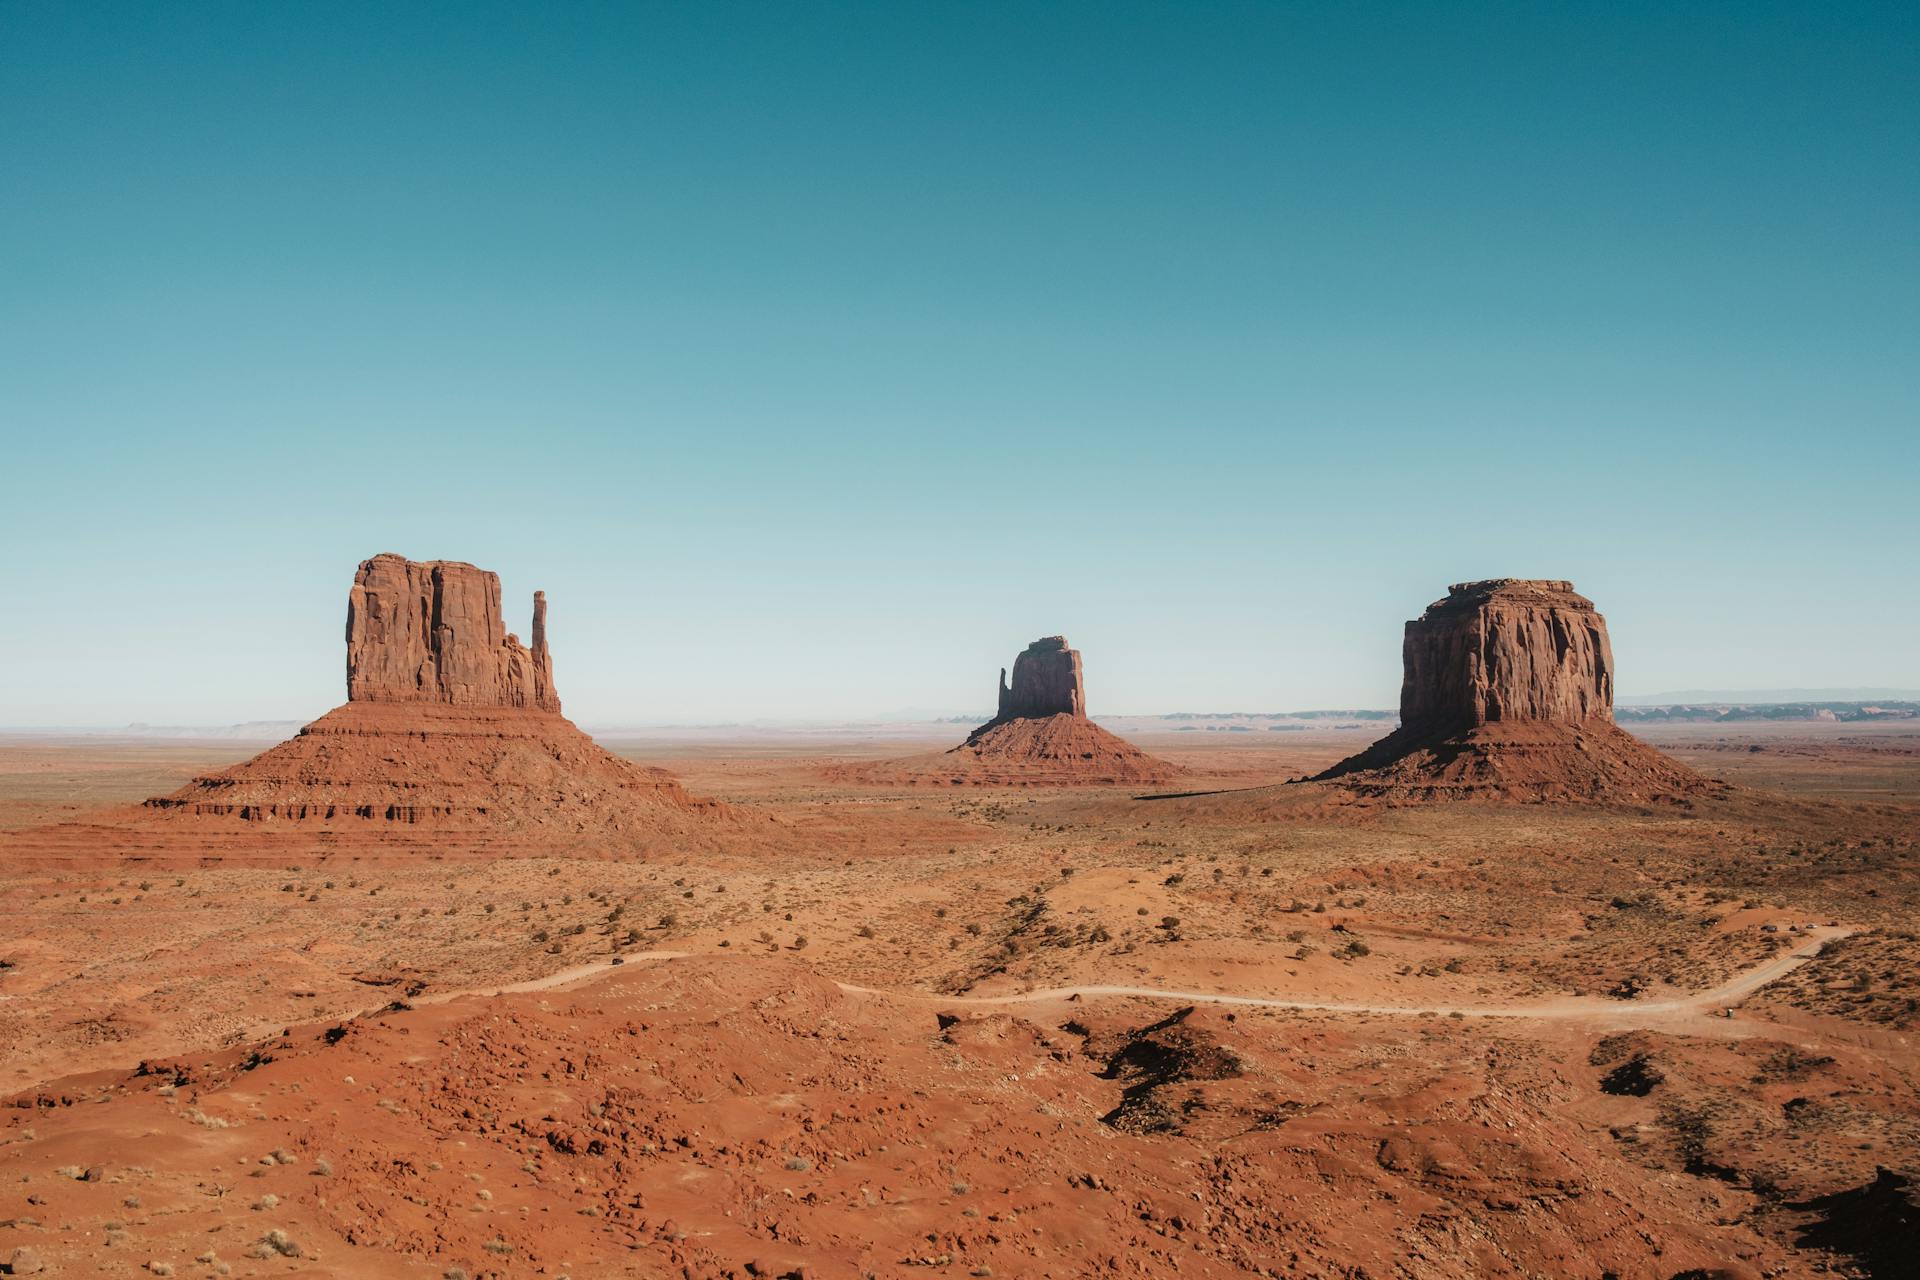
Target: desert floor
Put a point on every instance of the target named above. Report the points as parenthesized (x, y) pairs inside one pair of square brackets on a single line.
[(1226, 1027)]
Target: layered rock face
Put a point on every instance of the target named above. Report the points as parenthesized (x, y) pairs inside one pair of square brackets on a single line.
[(433, 632), (1508, 692), (1047, 681), (1507, 649), (450, 723)]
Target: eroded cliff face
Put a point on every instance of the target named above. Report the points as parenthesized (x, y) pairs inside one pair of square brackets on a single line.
[(1506, 649), (1047, 681), (432, 631)]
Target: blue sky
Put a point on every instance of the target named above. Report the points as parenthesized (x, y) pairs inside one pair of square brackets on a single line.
[(815, 358)]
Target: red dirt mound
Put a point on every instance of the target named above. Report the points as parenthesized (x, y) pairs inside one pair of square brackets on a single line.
[(439, 766), (1055, 751), (1596, 761), (1508, 694)]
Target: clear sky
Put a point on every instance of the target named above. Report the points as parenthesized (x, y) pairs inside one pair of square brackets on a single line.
[(814, 358)]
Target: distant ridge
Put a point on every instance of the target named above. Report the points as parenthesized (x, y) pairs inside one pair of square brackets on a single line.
[(1730, 712), (1769, 697), (250, 731)]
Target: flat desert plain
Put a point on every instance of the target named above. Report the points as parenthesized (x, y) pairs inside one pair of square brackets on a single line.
[(1224, 1026)]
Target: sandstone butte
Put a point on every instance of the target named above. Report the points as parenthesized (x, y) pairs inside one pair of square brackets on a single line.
[(450, 723), (1040, 736), (1508, 693), (432, 632)]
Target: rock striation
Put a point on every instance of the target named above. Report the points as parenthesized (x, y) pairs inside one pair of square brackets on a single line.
[(432, 631), (450, 723), (1041, 736), (1508, 691)]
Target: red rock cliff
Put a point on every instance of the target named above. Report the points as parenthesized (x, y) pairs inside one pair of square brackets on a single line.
[(1047, 681), (432, 632), (1506, 649)]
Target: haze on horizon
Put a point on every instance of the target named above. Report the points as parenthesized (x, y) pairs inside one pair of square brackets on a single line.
[(814, 363)]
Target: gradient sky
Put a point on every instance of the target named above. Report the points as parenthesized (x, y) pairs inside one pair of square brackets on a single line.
[(815, 358)]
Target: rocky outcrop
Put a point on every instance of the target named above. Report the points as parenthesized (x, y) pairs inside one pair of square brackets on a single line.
[(1508, 692), (1047, 681), (450, 723), (432, 631), (1041, 736), (1506, 649)]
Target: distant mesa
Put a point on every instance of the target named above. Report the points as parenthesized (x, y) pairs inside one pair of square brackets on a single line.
[(450, 723), (1041, 736), (1508, 693)]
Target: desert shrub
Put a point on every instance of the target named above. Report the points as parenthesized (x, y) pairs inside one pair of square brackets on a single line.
[(277, 1241)]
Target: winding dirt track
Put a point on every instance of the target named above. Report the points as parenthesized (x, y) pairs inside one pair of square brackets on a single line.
[(1693, 1014), (1616, 1012)]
